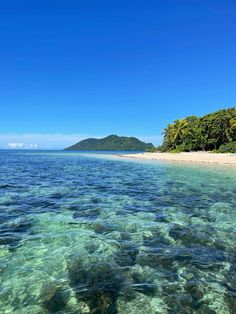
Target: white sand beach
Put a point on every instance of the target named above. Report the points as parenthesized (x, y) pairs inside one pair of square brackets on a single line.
[(193, 157)]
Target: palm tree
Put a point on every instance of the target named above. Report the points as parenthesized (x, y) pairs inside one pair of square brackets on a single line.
[(179, 130), (175, 132), (168, 133), (232, 124)]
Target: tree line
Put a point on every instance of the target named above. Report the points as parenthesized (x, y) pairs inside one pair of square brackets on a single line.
[(214, 131)]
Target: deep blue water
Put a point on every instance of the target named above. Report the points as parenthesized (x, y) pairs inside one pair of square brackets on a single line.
[(90, 233)]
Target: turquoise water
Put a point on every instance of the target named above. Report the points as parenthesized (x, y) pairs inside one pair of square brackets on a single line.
[(84, 233)]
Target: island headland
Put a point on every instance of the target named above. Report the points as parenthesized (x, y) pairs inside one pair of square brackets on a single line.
[(112, 143)]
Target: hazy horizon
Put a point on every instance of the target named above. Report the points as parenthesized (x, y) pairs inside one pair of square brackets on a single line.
[(56, 141)]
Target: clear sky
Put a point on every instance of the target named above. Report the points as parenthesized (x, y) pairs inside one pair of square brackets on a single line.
[(72, 69)]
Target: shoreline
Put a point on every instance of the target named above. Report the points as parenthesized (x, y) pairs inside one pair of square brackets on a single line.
[(186, 157)]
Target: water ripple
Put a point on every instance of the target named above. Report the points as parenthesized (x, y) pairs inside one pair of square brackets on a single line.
[(96, 235)]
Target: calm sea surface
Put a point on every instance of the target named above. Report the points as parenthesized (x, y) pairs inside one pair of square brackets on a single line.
[(84, 233)]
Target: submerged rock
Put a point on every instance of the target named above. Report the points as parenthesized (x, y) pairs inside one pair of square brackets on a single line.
[(143, 280), (126, 255), (221, 207), (154, 239), (161, 257), (142, 304), (98, 285), (101, 227), (192, 234), (54, 298)]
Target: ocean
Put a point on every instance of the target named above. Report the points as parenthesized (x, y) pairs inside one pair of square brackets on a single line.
[(88, 233)]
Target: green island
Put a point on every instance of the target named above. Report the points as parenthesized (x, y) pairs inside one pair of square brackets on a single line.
[(112, 143), (213, 132)]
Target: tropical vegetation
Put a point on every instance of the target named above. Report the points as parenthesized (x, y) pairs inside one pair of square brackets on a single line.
[(112, 142), (213, 132), (228, 148)]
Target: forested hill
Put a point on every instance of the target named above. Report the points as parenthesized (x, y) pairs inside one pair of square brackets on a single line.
[(214, 131), (112, 142)]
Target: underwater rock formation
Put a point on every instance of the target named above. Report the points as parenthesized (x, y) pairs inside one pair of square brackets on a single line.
[(98, 285)]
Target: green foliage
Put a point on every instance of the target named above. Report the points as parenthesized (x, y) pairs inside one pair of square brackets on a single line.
[(151, 150), (174, 132), (162, 148), (112, 142), (232, 123), (205, 133), (228, 148)]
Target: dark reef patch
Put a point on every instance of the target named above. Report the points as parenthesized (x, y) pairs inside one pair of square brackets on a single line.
[(89, 212), (55, 300), (192, 234), (162, 258), (98, 284), (126, 255), (11, 232), (155, 240)]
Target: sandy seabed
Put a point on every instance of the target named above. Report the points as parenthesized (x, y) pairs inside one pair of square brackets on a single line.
[(195, 157)]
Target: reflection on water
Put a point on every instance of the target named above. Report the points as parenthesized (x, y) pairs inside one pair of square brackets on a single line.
[(98, 235)]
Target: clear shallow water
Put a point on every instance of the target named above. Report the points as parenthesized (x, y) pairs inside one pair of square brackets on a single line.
[(92, 234)]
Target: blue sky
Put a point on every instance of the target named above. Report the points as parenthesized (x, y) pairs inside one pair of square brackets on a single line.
[(73, 69)]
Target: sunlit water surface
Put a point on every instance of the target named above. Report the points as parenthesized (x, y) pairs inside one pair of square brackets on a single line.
[(84, 233)]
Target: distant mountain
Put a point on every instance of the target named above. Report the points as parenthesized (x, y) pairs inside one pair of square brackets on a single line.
[(112, 142)]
